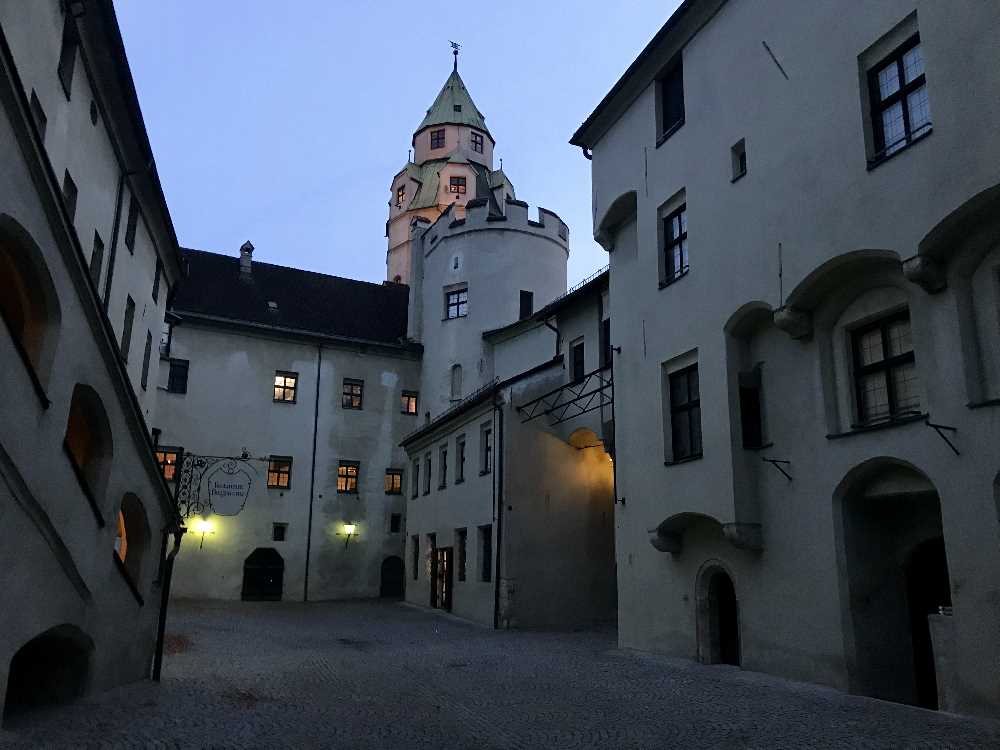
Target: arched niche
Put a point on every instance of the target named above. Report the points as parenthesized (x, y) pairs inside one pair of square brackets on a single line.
[(51, 668), (132, 539), (89, 442)]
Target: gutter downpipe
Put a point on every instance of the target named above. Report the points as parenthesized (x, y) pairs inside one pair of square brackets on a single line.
[(161, 625), (498, 419), (312, 473), (555, 330)]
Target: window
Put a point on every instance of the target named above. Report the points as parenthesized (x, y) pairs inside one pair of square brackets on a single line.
[(685, 414), (127, 328), (347, 477), (279, 472), (131, 224), (885, 373), (69, 194), (443, 467), (427, 473), (460, 459), (605, 342), (527, 304), (457, 303), (67, 54), (675, 245), (739, 157), (97, 259), (461, 541), (353, 393), (177, 379), (394, 481), (409, 402), (156, 280), (456, 382), (415, 555), (437, 138), (38, 115), (167, 458), (900, 108), (457, 107), (395, 523), (285, 385), (477, 142), (486, 552), (279, 532), (400, 196), (486, 448), (670, 101), (751, 413), (456, 184), (415, 481), (576, 351), (145, 360)]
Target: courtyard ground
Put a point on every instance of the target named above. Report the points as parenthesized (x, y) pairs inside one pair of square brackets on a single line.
[(384, 675)]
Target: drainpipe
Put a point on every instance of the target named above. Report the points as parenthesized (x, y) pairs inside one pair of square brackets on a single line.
[(498, 503), (161, 626), (555, 330), (312, 474)]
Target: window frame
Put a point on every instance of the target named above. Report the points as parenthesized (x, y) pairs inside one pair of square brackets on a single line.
[(177, 365), (690, 405), (458, 184), (460, 459), (162, 455), (132, 223), (405, 401), (348, 397), (526, 304), (400, 196), (437, 139), (443, 466), (485, 448), (885, 365), (670, 242), (284, 387), (478, 142), (390, 486), (69, 46), (578, 360), (348, 487), (283, 528), (877, 105), (279, 466), (415, 479), (486, 553), (460, 305), (428, 470), (396, 519), (462, 553), (673, 73)]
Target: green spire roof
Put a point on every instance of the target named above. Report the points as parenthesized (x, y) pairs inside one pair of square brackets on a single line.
[(454, 106)]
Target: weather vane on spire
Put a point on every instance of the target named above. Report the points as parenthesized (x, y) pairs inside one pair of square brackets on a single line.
[(455, 47)]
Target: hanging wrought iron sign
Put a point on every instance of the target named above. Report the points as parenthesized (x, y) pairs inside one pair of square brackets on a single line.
[(214, 484)]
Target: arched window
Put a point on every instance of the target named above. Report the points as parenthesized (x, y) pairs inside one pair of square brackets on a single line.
[(28, 302), (456, 382), (132, 538), (89, 444), (51, 668)]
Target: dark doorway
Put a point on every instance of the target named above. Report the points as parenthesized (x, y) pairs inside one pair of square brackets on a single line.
[(392, 578), (927, 589), (441, 574), (263, 575), (49, 669), (723, 619)]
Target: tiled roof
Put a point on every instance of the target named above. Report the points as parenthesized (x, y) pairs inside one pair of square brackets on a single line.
[(291, 298), (442, 112)]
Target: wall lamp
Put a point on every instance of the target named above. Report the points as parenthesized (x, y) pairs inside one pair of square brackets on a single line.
[(350, 529), (203, 526)]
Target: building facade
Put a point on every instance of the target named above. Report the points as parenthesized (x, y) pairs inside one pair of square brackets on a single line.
[(800, 203), (88, 258)]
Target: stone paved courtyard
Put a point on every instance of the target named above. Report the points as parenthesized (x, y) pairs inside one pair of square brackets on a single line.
[(378, 675)]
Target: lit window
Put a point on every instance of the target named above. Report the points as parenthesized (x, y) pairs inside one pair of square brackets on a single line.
[(409, 402), (400, 196), (394, 481), (437, 138), (900, 108), (456, 185), (885, 372), (457, 303), (347, 477), (167, 459), (279, 472), (477, 142), (353, 393), (285, 384)]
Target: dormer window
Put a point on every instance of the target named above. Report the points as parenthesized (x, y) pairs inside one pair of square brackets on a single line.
[(477, 142), (458, 107), (437, 138), (400, 196), (456, 185)]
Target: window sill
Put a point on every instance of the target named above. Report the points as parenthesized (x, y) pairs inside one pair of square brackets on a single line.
[(673, 280), (685, 460), (284, 401), (82, 481), (353, 408), (126, 576), (737, 178), (877, 426), (280, 489), (983, 404), (409, 413), (394, 494), (457, 317), (664, 137), (880, 160), (347, 492)]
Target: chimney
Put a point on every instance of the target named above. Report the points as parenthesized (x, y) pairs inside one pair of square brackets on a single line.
[(246, 260)]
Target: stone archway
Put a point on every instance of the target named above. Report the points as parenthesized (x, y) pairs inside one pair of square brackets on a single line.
[(718, 620), (263, 575), (51, 668)]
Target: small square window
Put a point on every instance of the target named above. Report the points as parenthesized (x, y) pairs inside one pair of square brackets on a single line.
[(739, 157), (167, 459), (400, 196), (353, 394), (456, 184), (394, 481), (279, 532), (409, 402), (279, 472), (527, 304), (285, 385), (457, 107), (437, 138), (395, 523), (477, 142), (457, 304), (347, 477)]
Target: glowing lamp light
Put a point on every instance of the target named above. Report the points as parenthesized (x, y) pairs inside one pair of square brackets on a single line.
[(350, 529), (203, 526)]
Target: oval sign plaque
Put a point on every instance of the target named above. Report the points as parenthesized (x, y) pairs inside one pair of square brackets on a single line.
[(228, 487)]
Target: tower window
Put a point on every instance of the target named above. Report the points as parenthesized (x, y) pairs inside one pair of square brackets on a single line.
[(409, 402), (527, 303), (437, 138), (457, 303), (456, 185), (457, 107), (477, 142), (400, 196)]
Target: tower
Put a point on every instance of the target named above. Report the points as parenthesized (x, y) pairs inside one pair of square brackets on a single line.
[(452, 165)]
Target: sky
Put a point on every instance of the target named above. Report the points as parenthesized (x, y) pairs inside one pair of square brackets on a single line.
[(284, 123)]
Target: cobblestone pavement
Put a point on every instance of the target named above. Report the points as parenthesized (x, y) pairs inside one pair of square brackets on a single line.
[(371, 675)]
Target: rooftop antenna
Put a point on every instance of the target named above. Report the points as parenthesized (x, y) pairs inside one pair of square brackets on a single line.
[(455, 47)]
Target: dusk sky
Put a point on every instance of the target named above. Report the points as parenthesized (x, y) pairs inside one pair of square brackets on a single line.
[(285, 123)]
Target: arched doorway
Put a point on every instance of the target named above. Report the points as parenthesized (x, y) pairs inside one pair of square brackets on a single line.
[(718, 617), (51, 668), (893, 574), (392, 578), (263, 575)]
